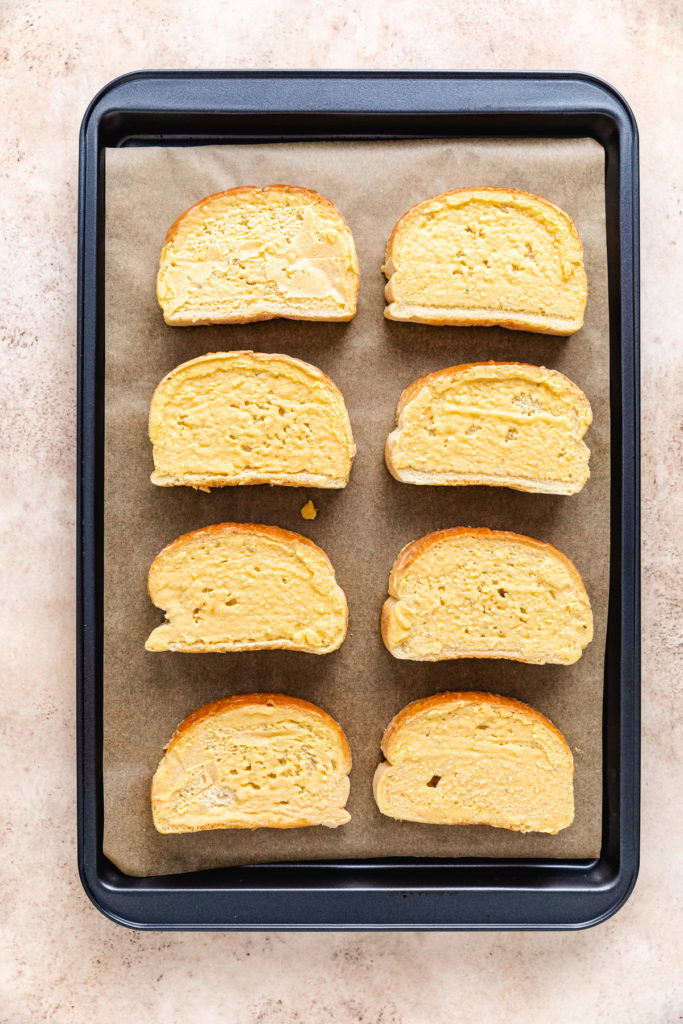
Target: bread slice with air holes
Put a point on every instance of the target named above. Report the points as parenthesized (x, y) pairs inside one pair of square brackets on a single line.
[(484, 257), (253, 253), (476, 759), (258, 760), (501, 424), (246, 587), (230, 418), (477, 593)]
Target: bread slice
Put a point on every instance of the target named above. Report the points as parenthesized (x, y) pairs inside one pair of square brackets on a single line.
[(249, 418), (259, 760), (465, 593), (246, 587), (487, 256), (502, 424), (476, 759), (258, 253)]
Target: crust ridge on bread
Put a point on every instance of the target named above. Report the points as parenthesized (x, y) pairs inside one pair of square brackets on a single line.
[(475, 759), (244, 587), (487, 257), (242, 417), (500, 424), (478, 593), (251, 253), (256, 760)]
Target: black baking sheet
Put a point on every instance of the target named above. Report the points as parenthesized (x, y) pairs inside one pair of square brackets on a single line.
[(536, 894)]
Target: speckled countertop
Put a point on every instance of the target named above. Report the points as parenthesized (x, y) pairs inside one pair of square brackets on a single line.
[(60, 960)]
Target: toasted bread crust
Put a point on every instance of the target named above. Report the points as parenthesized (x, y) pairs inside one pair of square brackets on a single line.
[(207, 480), (540, 373), (259, 529), (534, 323), (248, 190), (314, 197), (537, 373), (437, 700), (256, 529), (410, 552), (281, 700), (492, 190), (235, 354)]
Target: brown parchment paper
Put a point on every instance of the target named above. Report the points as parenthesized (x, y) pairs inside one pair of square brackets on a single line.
[(363, 527)]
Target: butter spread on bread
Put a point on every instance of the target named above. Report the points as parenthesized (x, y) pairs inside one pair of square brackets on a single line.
[(257, 253), (477, 593), (258, 760), (487, 256), (502, 424), (476, 759), (242, 587), (249, 418)]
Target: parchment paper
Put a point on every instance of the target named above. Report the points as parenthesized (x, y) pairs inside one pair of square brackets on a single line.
[(363, 527)]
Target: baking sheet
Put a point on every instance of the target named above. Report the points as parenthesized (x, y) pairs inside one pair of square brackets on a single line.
[(363, 527)]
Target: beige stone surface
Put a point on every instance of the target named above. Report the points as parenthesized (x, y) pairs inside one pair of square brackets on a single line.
[(60, 961)]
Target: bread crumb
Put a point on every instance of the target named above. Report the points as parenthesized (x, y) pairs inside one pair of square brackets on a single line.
[(309, 511)]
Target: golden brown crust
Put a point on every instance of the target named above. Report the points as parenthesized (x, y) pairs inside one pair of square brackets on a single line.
[(516, 323), (493, 189), (455, 697), (384, 623), (261, 530), (461, 370), (235, 354), (410, 552), (280, 700), (249, 189)]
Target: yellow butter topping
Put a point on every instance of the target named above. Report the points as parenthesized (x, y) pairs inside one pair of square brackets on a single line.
[(497, 252), (309, 511), (258, 253), (230, 589), (304, 277), (245, 417), (249, 767), (507, 424), (469, 595), (465, 762)]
